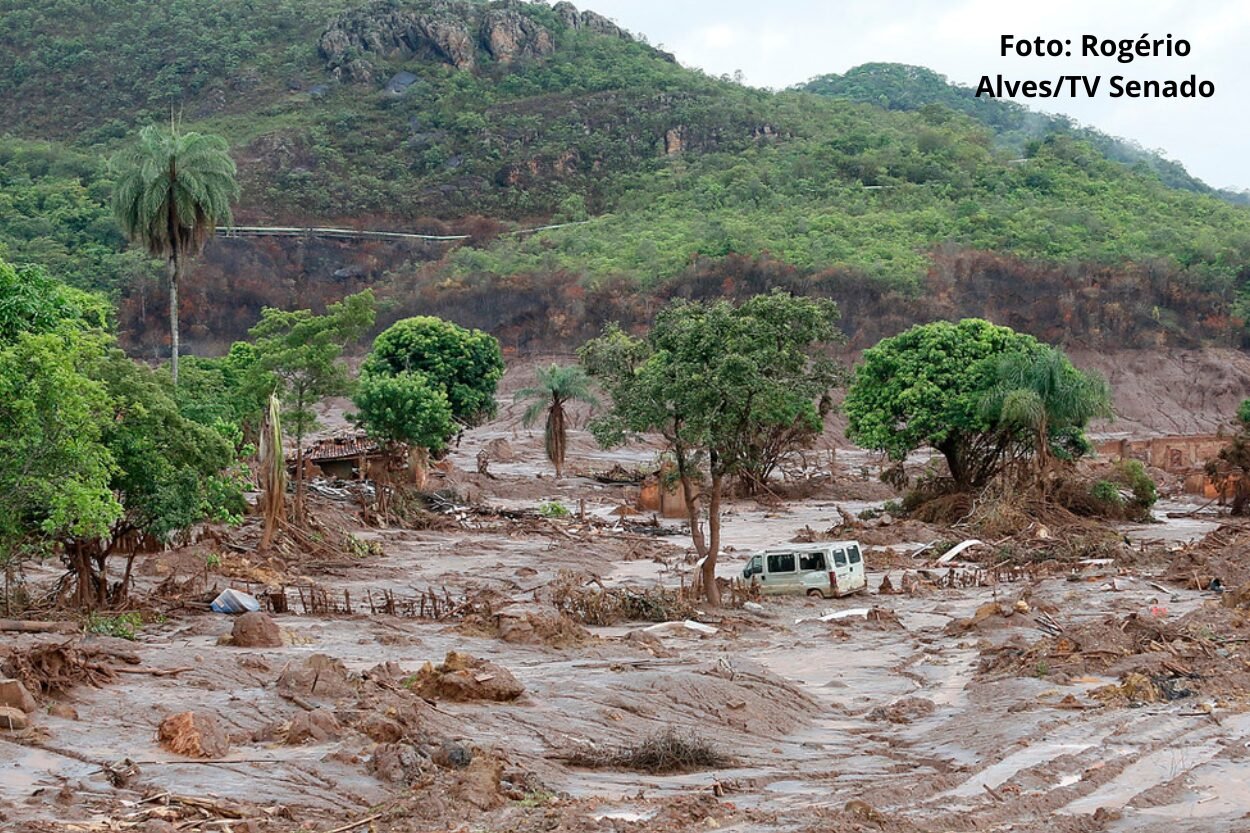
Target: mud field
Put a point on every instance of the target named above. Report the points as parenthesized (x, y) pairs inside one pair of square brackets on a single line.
[(1104, 696)]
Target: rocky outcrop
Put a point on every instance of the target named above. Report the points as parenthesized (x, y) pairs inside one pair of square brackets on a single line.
[(507, 35), (455, 32), (448, 31), (590, 21)]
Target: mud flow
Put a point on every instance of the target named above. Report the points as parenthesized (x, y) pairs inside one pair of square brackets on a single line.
[(516, 667)]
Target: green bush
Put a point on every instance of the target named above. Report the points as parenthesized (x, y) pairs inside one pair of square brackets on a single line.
[(1106, 492), (122, 626)]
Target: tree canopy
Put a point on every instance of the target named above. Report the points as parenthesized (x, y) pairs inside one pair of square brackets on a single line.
[(555, 387), (713, 380), (405, 408), (172, 191), (968, 390), (465, 364), (92, 445)]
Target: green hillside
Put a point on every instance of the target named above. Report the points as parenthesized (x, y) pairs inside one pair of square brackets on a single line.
[(909, 88), (456, 114)]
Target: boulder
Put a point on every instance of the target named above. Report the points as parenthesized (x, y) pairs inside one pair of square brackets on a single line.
[(63, 711), (507, 35), (194, 734), (15, 695), (317, 676), (13, 720), (318, 726), (452, 755), (398, 84), (256, 630), (382, 729), (396, 762)]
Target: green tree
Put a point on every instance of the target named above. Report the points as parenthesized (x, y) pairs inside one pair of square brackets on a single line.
[(404, 409), (94, 453), (299, 357), (171, 472), (32, 301), (930, 386), (173, 189), (55, 471), (554, 388), (1047, 402), (710, 379), (466, 364)]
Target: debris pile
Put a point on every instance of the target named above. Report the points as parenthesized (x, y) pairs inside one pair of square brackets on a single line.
[(50, 666), (584, 599), (461, 677), (1154, 659), (1222, 556)]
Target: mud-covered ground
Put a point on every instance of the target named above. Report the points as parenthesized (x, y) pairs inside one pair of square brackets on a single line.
[(963, 711)]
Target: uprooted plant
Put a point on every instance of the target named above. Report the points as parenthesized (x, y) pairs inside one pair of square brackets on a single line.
[(659, 753)]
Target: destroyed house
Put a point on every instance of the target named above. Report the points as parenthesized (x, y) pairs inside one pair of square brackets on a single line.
[(345, 458)]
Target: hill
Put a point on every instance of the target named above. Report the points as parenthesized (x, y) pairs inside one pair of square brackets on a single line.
[(909, 88), (486, 117)]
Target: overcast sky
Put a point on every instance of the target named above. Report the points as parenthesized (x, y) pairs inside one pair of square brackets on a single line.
[(783, 42)]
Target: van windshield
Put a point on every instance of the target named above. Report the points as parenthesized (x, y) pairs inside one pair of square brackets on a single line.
[(812, 561), (781, 563)]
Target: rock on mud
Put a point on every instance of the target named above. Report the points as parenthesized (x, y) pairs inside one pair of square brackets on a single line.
[(520, 626), (317, 726), (14, 695), (461, 677), (13, 720), (255, 630), (397, 762), (195, 735), (382, 729), (903, 711), (318, 676)]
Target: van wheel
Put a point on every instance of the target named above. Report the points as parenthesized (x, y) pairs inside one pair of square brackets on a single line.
[(815, 594)]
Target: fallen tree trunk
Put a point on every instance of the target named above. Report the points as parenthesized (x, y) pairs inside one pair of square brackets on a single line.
[(32, 626)]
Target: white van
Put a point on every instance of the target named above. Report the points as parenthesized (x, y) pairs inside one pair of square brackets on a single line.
[(826, 569)]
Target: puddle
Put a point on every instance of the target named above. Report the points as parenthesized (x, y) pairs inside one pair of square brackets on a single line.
[(1158, 767), (1219, 788)]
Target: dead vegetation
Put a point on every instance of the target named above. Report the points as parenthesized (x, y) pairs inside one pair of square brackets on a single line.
[(660, 753), (1200, 654), (52, 666), (587, 601)]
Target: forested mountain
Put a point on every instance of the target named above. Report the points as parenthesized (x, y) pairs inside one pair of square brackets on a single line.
[(486, 117), (909, 88)]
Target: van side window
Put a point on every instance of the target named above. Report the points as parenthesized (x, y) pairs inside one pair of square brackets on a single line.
[(811, 561), (781, 563), (839, 558), (755, 567), (854, 551)]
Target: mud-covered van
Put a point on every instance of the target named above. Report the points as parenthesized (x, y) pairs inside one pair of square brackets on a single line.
[(826, 569)]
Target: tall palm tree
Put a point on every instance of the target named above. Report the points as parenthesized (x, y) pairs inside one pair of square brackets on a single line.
[(173, 189), (1042, 395), (555, 387)]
